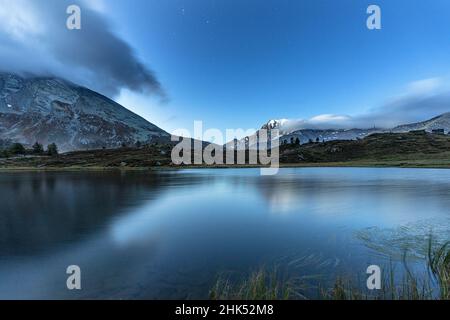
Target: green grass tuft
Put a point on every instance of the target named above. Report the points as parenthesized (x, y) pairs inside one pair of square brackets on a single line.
[(265, 284)]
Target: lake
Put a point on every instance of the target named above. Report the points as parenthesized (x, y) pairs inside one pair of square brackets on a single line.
[(170, 234)]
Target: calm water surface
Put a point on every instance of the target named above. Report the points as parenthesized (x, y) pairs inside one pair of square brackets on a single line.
[(170, 234)]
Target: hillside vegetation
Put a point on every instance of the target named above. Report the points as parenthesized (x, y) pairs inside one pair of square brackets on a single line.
[(385, 149), (399, 149)]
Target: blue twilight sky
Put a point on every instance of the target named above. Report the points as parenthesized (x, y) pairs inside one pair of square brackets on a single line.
[(239, 63)]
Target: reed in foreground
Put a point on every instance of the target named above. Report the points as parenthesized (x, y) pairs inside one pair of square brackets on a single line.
[(265, 284)]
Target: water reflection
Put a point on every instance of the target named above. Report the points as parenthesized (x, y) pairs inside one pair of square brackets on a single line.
[(43, 209), (167, 234)]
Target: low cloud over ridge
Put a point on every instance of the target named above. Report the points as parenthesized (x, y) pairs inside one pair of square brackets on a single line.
[(34, 39), (421, 101)]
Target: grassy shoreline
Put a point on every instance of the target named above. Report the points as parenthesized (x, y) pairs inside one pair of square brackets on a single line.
[(350, 164)]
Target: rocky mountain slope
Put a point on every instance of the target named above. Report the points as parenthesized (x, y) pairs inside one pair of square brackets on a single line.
[(305, 135), (439, 122), (51, 110)]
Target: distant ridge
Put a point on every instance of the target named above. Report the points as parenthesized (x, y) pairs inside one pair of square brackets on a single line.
[(305, 135), (439, 122)]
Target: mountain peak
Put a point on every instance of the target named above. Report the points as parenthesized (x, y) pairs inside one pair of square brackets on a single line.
[(274, 124), (50, 109)]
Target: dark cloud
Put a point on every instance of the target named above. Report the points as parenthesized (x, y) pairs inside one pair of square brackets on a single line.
[(37, 41)]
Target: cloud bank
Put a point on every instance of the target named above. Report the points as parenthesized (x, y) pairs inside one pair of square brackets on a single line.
[(421, 101), (34, 39)]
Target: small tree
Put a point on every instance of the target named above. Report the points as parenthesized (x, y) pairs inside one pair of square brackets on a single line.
[(17, 148), (38, 148), (297, 141), (52, 149), (317, 140), (310, 141), (292, 140), (138, 144)]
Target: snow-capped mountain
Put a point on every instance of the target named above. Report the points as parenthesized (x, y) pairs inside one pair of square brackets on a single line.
[(439, 122), (277, 124), (289, 133), (51, 110)]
